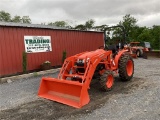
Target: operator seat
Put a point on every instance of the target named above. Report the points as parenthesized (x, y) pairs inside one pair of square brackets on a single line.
[(114, 48)]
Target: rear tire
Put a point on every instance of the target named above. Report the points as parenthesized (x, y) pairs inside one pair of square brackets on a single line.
[(126, 67), (139, 53), (107, 81)]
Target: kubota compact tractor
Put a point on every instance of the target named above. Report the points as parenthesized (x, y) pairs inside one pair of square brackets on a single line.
[(71, 86), (136, 50), (139, 48)]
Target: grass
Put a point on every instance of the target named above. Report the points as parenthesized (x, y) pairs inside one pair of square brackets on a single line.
[(35, 74)]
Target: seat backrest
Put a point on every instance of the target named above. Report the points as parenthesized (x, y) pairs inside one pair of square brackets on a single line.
[(113, 48)]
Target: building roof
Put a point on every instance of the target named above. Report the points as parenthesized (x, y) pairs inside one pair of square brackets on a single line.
[(26, 25), (12, 24)]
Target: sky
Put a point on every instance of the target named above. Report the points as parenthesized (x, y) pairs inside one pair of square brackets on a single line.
[(75, 12)]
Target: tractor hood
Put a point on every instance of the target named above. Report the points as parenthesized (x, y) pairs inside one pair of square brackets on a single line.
[(91, 54)]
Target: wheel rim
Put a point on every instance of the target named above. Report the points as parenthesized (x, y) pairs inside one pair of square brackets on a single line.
[(109, 82), (129, 67)]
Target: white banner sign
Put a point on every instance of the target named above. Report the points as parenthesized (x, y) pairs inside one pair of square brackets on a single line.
[(35, 44)]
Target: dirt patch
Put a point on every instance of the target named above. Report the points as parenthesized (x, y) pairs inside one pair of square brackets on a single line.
[(46, 109)]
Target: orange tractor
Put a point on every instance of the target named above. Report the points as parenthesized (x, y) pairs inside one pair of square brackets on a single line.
[(73, 82), (137, 49)]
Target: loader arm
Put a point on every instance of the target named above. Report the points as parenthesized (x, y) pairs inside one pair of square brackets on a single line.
[(92, 66), (67, 65), (89, 66)]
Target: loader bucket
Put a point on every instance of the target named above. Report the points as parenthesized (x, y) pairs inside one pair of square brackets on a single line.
[(151, 54), (68, 92)]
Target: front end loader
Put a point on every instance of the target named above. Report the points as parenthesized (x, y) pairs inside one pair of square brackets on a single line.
[(71, 86)]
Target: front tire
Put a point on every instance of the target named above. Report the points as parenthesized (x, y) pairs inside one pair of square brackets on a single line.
[(107, 81), (126, 67)]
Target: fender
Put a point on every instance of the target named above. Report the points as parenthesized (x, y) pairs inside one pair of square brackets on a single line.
[(117, 57)]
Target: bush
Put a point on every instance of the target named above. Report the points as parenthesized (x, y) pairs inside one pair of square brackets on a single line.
[(46, 65), (64, 54), (24, 63)]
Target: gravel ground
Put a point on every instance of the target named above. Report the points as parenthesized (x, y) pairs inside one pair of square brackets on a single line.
[(20, 91), (138, 99), (140, 104)]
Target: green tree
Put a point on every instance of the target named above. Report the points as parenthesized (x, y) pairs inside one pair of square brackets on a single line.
[(156, 37), (5, 16), (26, 19), (129, 23), (17, 19), (43, 23), (89, 24), (145, 35), (59, 23), (136, 31), (100, 28), (80, 27)]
